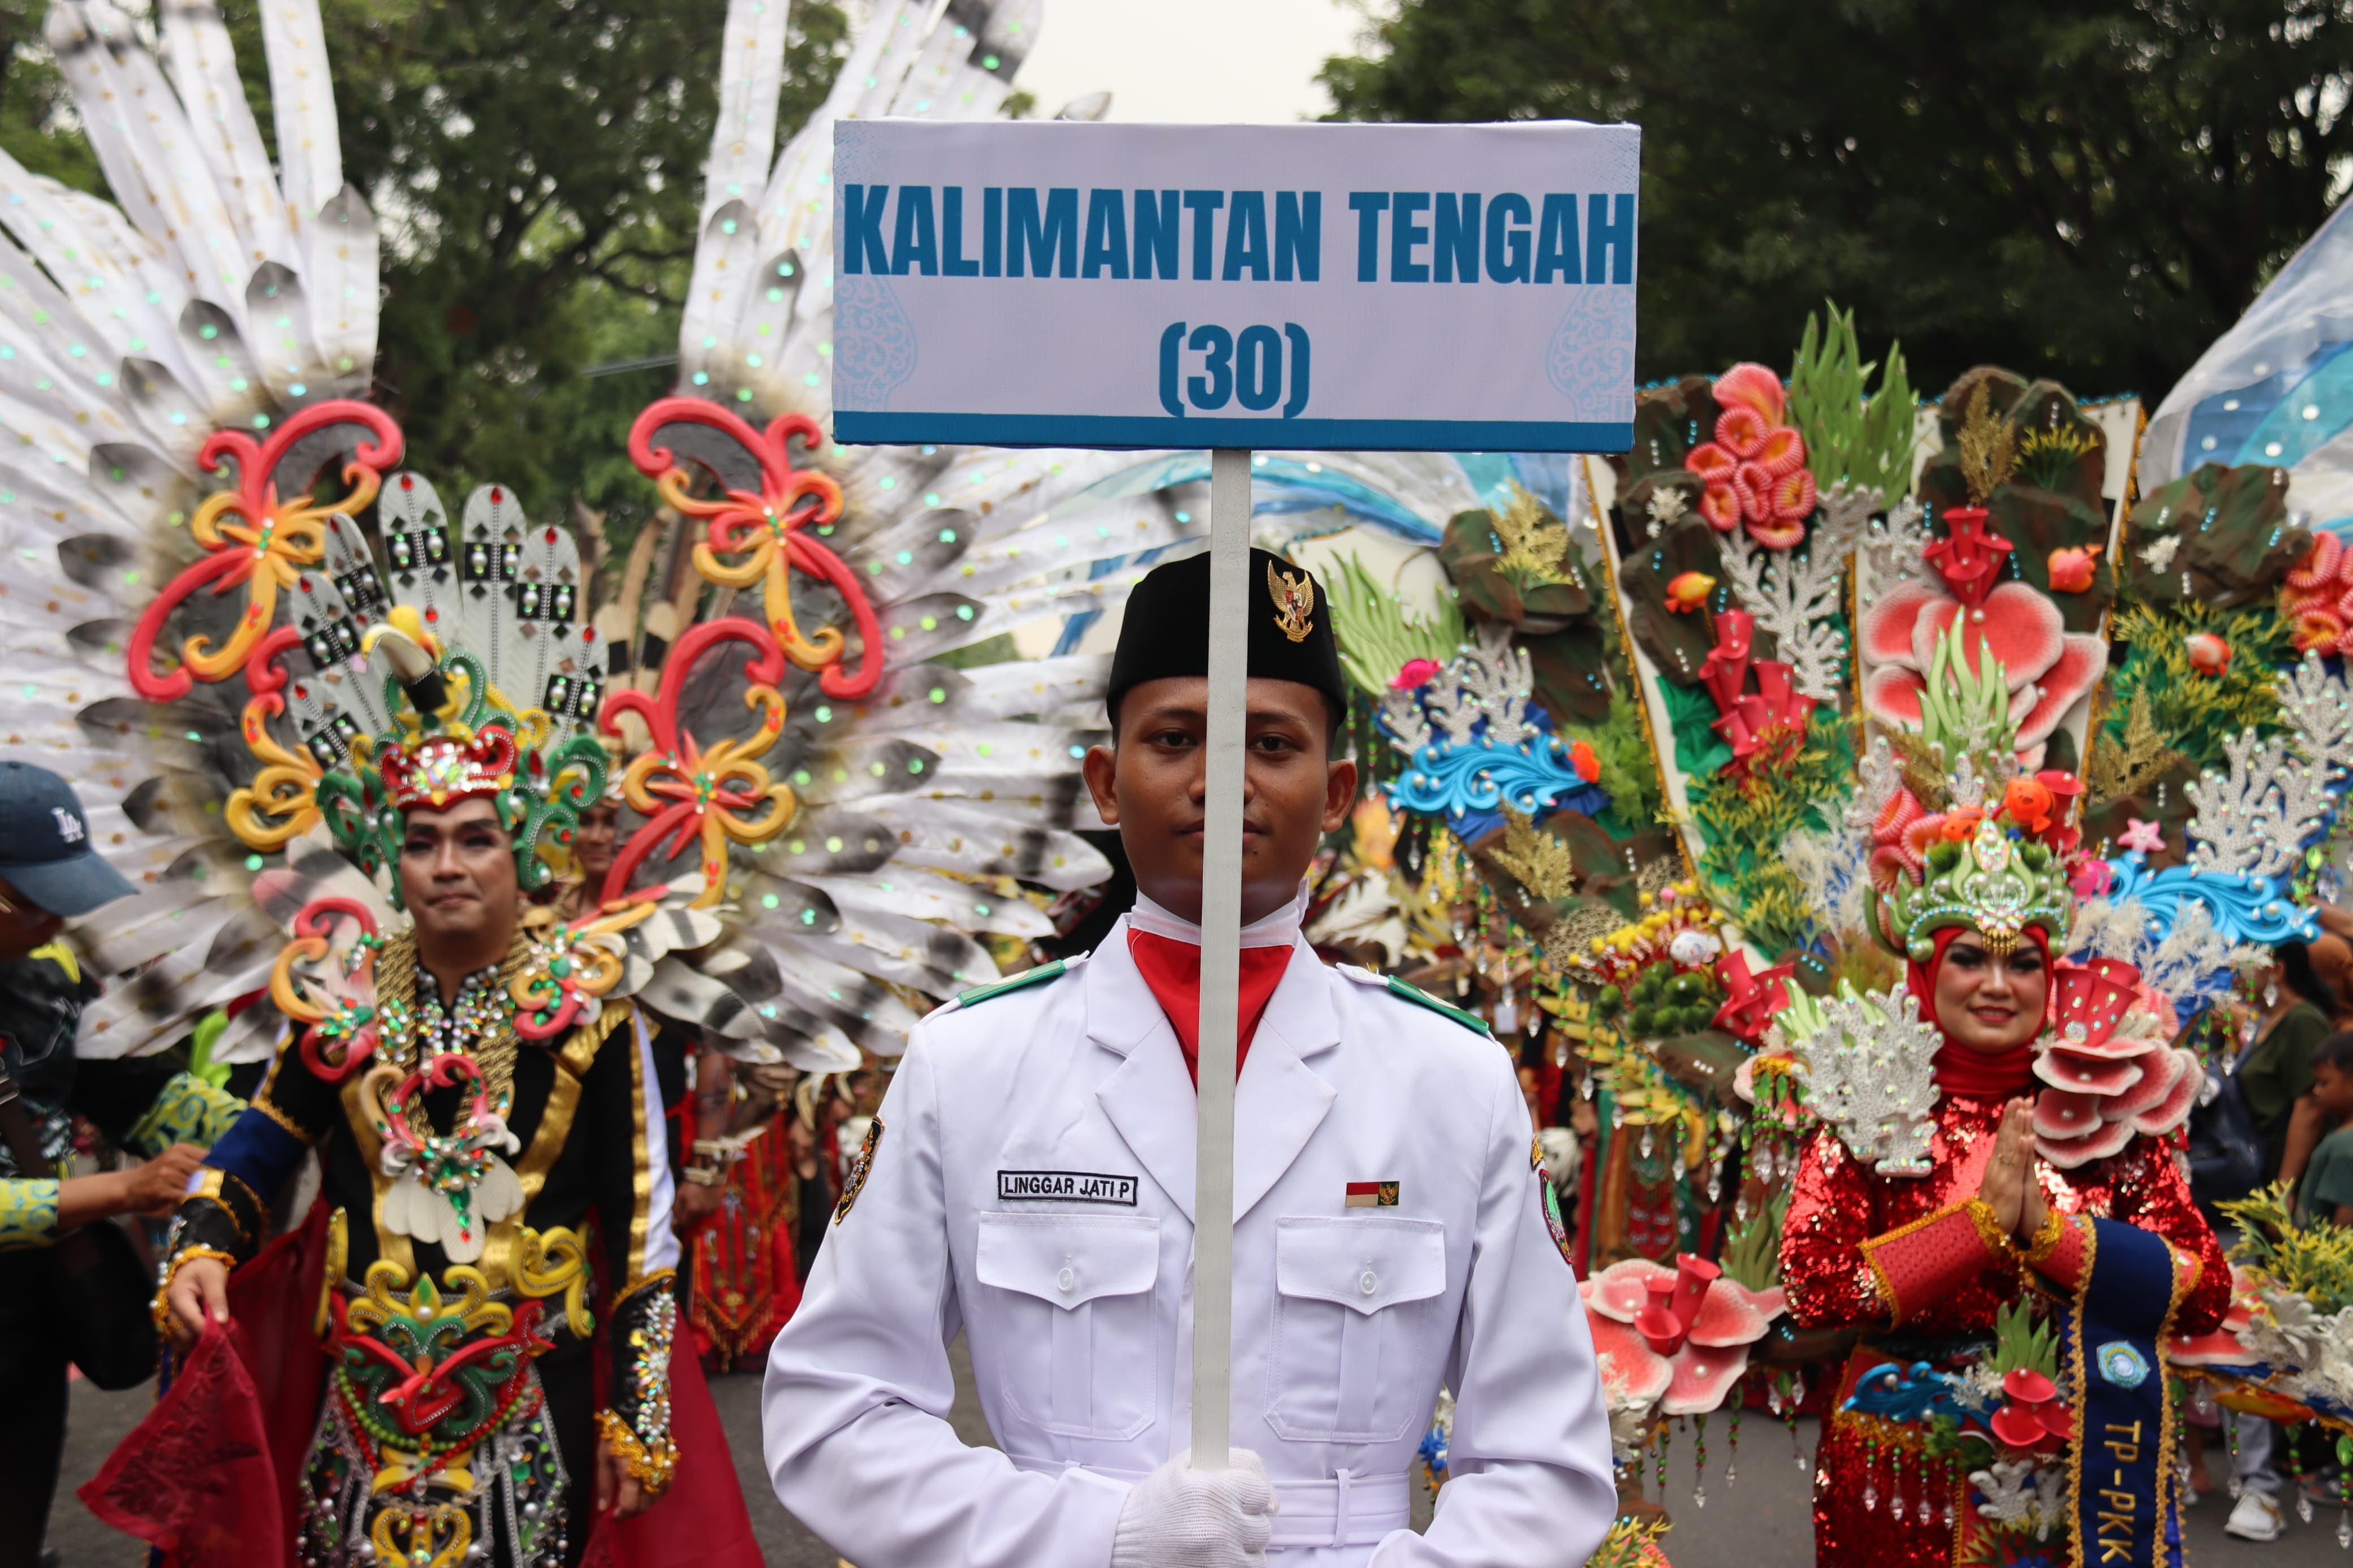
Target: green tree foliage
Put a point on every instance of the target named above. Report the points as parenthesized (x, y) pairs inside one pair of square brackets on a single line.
[(2093, 189), (536, 171)]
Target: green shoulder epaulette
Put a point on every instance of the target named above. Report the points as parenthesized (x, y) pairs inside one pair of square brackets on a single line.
[(1037, 976), (1420, 998)]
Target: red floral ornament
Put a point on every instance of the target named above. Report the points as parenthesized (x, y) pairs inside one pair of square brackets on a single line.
[(1754, 471), (771, 530), (2317, 599), (2032, 1418), (1774, 715), (685, 790), (1967, 557), (1751, 1001), (255, 540)]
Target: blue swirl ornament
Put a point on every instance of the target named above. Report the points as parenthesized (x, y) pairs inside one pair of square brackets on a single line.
[(2259, 911), (1468, 786), (1912, 1396)]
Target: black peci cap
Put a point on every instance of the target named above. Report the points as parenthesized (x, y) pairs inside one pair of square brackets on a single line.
[(1166, 631)]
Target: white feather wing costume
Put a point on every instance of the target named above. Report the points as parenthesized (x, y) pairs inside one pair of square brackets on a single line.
[(205, 524)]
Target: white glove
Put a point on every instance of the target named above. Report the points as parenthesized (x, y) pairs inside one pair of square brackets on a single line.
[(1178, 1517)]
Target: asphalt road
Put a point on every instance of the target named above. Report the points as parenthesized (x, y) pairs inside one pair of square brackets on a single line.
[(1758, 1519)]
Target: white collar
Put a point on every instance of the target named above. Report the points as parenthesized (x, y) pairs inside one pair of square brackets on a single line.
[(1277, 929)]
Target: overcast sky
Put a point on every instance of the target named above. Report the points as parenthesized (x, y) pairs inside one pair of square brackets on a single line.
[(1221, 60)]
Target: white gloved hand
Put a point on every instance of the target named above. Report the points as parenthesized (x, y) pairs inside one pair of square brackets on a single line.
[(1178, 1517)]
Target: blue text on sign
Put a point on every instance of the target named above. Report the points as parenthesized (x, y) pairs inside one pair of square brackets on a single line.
[(1027, 231)]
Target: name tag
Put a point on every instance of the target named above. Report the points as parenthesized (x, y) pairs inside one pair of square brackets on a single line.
[(1065, 1186)]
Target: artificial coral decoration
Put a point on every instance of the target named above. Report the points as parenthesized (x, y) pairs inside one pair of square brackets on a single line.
[(1382, 648), (2111, 1074), (2317, 599), (2046, 668), (1773, 718), (1754, 470), (1853, 436), (1679, 1336), (1631, 1543)]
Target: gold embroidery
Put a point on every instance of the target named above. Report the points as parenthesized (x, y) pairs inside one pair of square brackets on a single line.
[(2045, 1241), (339, 1258), (262, 1103), (554, 1260), (502, 1257)]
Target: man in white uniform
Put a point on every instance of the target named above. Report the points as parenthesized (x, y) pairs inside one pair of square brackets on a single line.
[(1030, 1181)]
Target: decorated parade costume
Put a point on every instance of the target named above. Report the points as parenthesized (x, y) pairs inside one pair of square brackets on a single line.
[(2004, 1401)]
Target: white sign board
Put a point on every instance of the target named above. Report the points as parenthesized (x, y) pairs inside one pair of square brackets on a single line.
[(1416, 288)]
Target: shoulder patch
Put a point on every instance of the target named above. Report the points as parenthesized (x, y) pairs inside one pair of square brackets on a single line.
[(1041, 976), (1420, 998), (860, 1168)]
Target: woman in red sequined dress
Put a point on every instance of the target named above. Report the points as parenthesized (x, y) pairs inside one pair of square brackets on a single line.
[(2029, 1139)]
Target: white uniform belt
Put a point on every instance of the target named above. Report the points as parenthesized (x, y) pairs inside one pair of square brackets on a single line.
[(1347, 1511)]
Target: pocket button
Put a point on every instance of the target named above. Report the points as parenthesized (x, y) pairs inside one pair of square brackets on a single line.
[(1368, 1282), (1067, 1280)]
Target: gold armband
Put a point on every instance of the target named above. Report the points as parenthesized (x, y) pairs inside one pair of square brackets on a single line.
[(161, 1310)]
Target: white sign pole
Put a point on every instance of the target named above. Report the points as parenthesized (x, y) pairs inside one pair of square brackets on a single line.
[(1221, 926)]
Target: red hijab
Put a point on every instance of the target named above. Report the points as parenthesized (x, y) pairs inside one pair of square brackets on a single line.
[(1960, 1070)]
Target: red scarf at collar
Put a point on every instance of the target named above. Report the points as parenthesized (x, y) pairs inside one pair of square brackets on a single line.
[(1172, 970), (1960, 1071)]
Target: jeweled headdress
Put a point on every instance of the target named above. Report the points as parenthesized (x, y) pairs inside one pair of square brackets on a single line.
[(452, 665), (455, 738), (1986, 875)]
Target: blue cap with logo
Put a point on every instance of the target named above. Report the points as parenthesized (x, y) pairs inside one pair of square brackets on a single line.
[(45, 848)]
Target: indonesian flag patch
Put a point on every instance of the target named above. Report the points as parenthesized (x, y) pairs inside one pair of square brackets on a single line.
[(1372, 1195)]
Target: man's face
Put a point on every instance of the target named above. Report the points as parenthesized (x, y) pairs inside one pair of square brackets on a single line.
[(592, 841), (458, 872), (1151, 785), (24, 924)]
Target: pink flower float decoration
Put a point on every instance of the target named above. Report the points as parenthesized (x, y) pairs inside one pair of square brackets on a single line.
[(1754, 470), (1679, 1336), (2033, 1417), (2048, 668), (2317, 600), (2111, 1076), (2221, 1347)]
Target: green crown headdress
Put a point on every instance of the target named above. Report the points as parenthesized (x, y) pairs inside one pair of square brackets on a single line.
[(454, 737), (1993, 879)]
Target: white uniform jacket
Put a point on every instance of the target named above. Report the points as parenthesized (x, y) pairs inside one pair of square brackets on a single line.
[(1033, 1184)]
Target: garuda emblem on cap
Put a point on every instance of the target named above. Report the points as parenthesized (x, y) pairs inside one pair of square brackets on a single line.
[(1294, 602)]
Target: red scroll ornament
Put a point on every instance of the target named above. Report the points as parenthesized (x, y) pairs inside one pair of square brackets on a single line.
[(769, 530), (683, 789), (338, 1037), (256, 541)]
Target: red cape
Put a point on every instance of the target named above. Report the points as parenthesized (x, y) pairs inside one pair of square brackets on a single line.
[(210, 1477)]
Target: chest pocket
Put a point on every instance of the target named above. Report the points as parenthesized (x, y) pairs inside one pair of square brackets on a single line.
[(1071, 1299), (1355, 1307)]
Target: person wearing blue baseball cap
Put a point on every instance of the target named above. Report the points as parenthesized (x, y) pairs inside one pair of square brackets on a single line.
[(73, 1290)]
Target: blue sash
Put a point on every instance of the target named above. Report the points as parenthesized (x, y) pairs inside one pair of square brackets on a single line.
[(2124, 1507)]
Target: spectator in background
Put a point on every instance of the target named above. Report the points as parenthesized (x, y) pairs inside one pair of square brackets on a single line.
[(2299, 1012), (2332, 960), (2274, 1073), (70, 1292), (2325, 1192)]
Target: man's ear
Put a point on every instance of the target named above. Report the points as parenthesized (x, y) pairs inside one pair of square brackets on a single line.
[(1101, 770), (1339, 791)]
